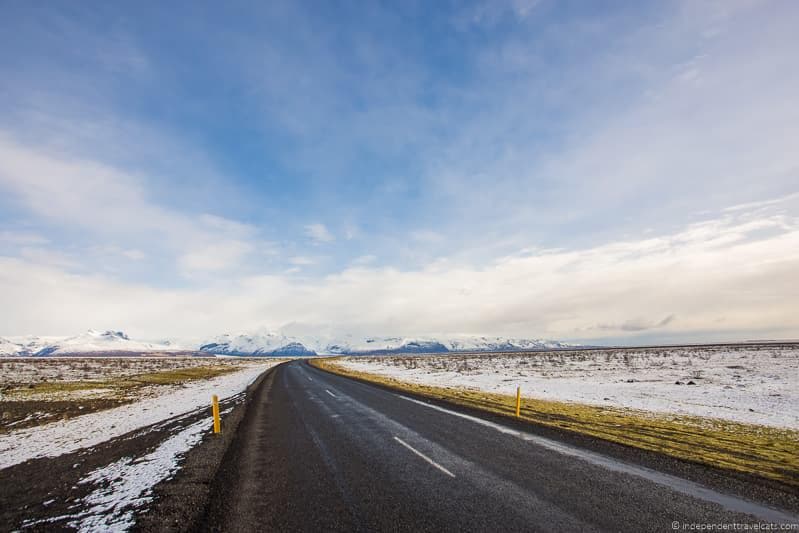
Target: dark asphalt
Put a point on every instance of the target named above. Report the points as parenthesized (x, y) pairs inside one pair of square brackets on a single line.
[(318, 452)]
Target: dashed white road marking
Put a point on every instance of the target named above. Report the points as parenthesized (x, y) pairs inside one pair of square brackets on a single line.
[(423, 456), (330, 393), (676, 483)]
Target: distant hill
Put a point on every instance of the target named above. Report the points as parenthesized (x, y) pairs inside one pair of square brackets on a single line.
[(87, 343), (263, 344), (277, 344)]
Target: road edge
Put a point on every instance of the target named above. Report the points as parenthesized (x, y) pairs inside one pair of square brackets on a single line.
[(180, 502), (764, 490)]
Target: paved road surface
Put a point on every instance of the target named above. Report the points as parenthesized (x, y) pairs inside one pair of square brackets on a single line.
[(319, 452)]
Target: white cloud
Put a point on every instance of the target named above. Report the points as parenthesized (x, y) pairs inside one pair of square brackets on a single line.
[(43, 256), (109, 204), (214, 256), (135, 255), (22, 238), (351, 232), (427, 236), (302, 260), (491, 12), (643, 140), (731, 277), (319, 233), (364, 259), (763, 203), (111, 251)]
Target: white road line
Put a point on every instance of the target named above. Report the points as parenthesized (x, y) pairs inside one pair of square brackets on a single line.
[(676, 483), (330, 393), (309, 379), (423, 456), (498, 427)]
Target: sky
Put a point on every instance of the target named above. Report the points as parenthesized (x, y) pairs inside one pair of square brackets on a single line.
[(607, 172)]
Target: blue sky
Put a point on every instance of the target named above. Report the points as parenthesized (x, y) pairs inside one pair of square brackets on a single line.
[(530, 168)]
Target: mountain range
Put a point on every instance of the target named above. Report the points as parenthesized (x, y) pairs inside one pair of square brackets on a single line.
[(265, 344), (91, 342)]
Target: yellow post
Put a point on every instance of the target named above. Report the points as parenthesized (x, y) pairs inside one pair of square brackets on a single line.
[(518, 400), (215, 411)]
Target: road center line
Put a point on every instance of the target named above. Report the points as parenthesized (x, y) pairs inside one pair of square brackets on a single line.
[(676, 483), (423, 456), (330, 393)]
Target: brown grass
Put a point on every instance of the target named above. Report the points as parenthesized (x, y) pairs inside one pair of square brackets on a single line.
[(122, 384)]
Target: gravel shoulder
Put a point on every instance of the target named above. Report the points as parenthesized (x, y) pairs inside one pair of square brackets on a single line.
[(180, 502)]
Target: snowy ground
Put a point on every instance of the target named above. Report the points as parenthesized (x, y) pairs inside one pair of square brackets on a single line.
[(38, 390), (62, 437), (32, 370), (111, 490), (747, 383)]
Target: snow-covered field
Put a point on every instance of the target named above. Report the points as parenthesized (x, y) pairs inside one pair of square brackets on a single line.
[(60, 437), (746, 383), (173, 412), (125, 486), (36, 370)]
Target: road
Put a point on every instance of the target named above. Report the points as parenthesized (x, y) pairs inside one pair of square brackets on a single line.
[(319, 452)]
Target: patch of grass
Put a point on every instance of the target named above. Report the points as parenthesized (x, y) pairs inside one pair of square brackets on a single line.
[(768, 452), (123, 384), (55, 387), (179, 375)]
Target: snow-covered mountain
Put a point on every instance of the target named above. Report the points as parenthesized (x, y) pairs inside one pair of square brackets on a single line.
[(448, 344), (90, 342), (29, 345), (265, 343), (256, 344), (8, 348), (278, 344)]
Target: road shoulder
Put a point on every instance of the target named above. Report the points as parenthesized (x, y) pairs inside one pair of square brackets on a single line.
[(180, 502)]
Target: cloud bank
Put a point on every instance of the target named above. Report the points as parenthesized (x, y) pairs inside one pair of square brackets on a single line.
[(729, 277)]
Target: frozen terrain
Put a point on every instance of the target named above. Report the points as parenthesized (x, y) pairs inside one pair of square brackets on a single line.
[(35, 370), (754, 384), (60, 437), (124, 487), (99, 470)]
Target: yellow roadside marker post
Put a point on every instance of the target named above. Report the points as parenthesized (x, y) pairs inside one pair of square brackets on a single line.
[(518, 400), (215, 411)]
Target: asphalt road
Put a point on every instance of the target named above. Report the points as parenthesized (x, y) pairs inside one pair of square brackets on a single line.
[(318, 452)]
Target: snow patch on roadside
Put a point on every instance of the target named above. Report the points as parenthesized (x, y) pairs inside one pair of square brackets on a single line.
[(749, 384), (126, 485), (58, 438)]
